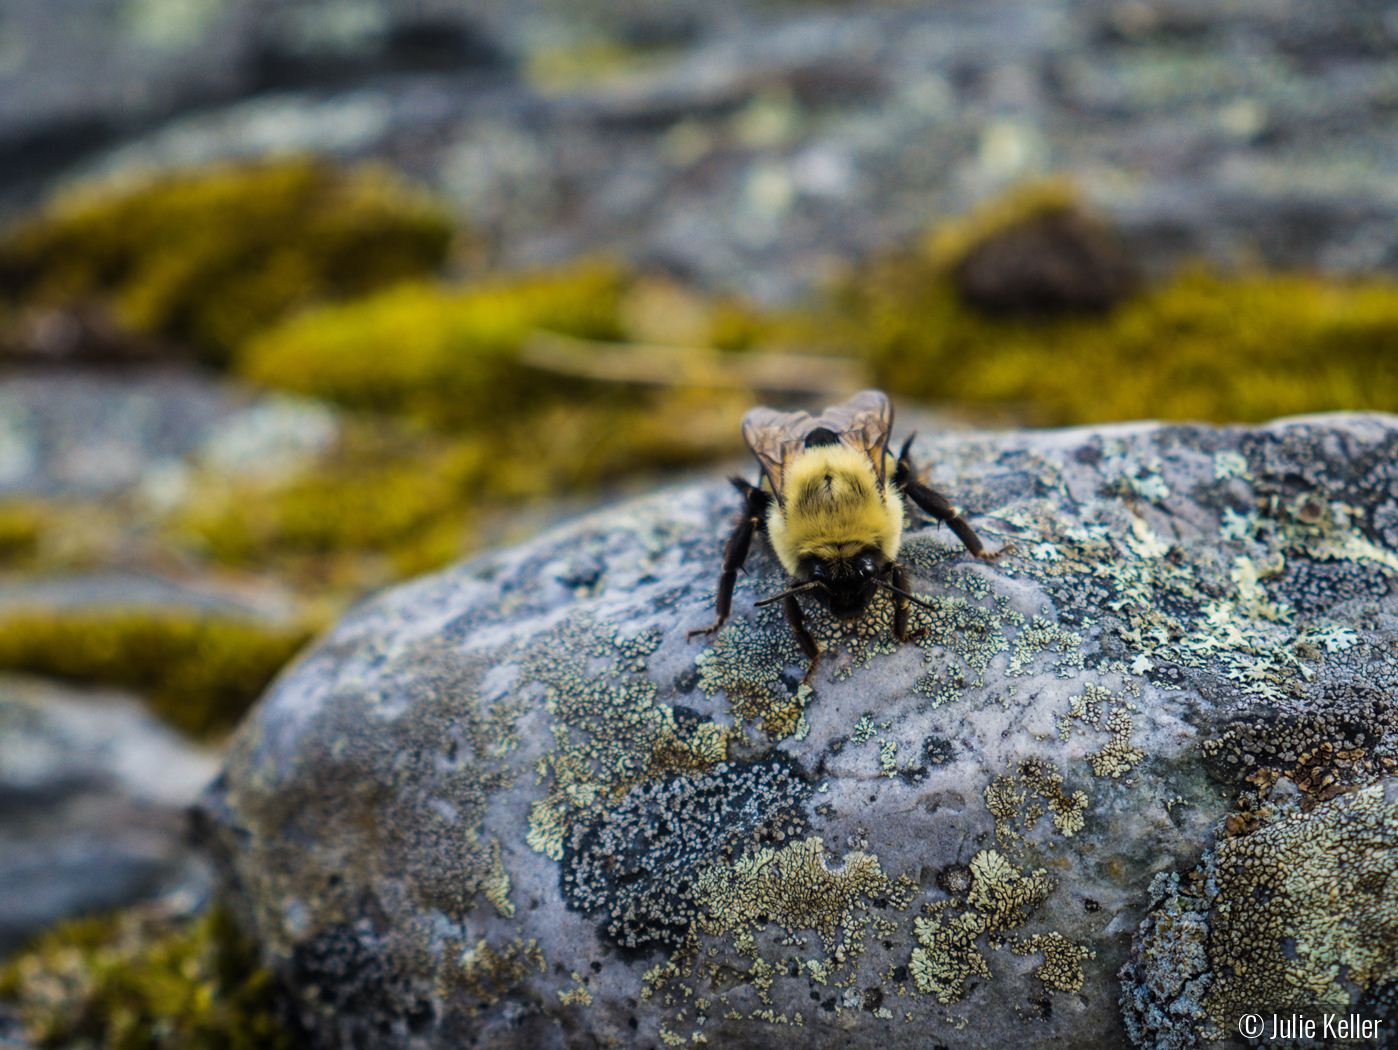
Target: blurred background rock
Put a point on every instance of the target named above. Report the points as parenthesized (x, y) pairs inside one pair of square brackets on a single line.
[(298, 299)]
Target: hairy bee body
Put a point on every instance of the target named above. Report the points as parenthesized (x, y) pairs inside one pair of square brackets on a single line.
[(834, 508), (831, 503)]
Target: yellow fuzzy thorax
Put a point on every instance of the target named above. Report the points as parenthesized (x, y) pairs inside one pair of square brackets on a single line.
[(833, 509)]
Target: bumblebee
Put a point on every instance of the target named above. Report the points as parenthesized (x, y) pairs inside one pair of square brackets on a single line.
[(832, 513)]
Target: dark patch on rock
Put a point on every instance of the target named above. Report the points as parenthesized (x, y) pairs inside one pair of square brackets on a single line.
[(956, 880), (1314, 586), (636, 864), (937, 751), (1344, 738), (342, 974)]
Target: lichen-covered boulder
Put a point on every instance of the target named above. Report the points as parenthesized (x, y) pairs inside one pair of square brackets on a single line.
[(512, 805)]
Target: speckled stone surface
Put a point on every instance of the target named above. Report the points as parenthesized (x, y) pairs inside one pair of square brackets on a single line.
[(511, 805)]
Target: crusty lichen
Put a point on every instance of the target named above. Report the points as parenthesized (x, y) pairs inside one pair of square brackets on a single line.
[(1190, 605), (792, 886), (485, 970), (1061, 969), (1347, 737), (1096, 708), (1307, 896), (1001, 898), (611, 732), (1298, 914), (747, 665)]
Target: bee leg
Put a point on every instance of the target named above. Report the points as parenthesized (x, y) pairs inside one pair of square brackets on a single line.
[(937, 505), (803, 636), (899, 579), (736, 552)]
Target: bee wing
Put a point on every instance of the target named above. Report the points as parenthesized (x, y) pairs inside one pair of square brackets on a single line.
[(774, 438), (864, 423)]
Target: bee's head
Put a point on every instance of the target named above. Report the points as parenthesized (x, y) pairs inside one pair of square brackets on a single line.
[(847, 586)]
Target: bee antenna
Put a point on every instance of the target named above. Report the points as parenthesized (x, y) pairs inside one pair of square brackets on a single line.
[(904, 594), (787, 594)]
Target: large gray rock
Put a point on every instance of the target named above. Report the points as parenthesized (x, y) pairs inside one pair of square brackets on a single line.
[(511, 805)]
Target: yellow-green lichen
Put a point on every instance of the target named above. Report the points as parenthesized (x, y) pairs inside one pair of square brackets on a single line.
[(793, 887), (208, 257), (1001, 897), (1295, 914), (1096, 708), (747, 665), (486, 971), (1062, 965), (1308, 909), (1184, 604), (747, 661), (137, 981), (578, 995), (199, 672)]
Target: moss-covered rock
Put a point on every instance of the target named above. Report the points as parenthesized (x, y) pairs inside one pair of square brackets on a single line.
[(1203, 345), (200, 673), (392, 502), (517, 802), (445, 356), (208, 257), (21, 528), (138, 981)]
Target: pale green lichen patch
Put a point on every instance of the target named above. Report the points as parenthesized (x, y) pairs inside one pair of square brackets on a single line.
[(484, 970), (1245, 610), (1097, 709), (1021, 800), (1001, 898), (793, 886), (610, 730), (996, 893), (578, 995), (1062, 966), (754, 911), (747, 664)]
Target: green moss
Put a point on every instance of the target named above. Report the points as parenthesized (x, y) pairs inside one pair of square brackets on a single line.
[(385, 505), (138, 982), (209, 257), (446, 357), (1202, 346), (21, 528), (199, 673), (391, 503)]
